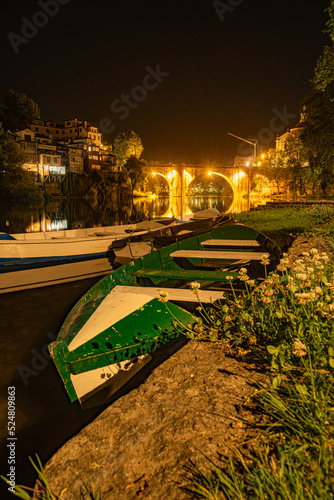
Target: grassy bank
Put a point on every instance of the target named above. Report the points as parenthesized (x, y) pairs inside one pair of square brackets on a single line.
[(286, 326), (282, 225)]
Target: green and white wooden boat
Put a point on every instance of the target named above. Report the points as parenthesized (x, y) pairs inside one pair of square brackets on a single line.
[(111, 332)]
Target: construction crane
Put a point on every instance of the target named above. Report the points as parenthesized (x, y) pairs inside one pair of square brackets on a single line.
[(252, 143)]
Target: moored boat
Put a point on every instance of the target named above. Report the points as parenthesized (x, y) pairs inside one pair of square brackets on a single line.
[(112, 331), (124, 250), (30, 260)]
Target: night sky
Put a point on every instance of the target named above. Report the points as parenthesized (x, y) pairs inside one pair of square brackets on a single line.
[(220, 72)]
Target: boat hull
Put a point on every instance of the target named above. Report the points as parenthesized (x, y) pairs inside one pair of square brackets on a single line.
[(121, 318), (125, 250), (32, 260)]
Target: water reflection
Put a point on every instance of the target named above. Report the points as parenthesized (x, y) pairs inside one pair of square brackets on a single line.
[(76, 213)]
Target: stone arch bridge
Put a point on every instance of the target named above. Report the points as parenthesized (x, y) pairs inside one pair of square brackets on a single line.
[(180, 176)]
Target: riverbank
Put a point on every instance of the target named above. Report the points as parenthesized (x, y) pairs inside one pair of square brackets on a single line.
[(162, 422), (193, 409)]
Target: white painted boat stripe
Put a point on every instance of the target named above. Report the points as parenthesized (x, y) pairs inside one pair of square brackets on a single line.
[(112, 309), (86, 382)]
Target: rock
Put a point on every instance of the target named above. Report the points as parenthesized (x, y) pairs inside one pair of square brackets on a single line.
[(305, 244), (190, 409)]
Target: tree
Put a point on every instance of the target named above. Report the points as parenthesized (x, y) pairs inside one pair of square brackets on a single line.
[(295, 159), (12, 156), (15, 182), (16, 110), (318, 134), (127, 144), (274, 169), (133, 169), (324, 70)]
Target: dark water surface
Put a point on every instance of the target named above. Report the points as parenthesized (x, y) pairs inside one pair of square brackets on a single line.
[(70, 214), (45, 418)]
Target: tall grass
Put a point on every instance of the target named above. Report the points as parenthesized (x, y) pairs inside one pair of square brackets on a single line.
[(287, 324), (43, 490)]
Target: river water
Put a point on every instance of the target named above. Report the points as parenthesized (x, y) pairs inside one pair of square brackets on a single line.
[(70, 214), (31, 319)]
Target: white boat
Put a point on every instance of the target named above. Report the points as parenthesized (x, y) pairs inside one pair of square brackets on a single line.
[(33, 260)]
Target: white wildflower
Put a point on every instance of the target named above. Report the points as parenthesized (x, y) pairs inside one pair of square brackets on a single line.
[(281, 268), (195, 286), (298, 348), (265, 260), (266, 300), (163, 297)]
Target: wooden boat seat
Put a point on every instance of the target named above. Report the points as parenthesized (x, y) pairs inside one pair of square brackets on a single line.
[(211, 254), (230, 243), (185, 274), (176, 294)]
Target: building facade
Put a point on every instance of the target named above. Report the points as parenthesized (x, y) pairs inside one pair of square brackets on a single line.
[(54, 149)]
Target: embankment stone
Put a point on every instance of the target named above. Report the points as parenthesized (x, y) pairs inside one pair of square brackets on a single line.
[(191, 407)]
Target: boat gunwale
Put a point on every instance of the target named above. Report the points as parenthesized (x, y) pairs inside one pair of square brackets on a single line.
[(155, 259), (125, 276)]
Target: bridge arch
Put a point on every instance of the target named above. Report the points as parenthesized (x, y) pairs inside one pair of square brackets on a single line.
[(154, 174), (180, 176), (212, 173)]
